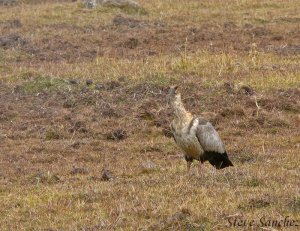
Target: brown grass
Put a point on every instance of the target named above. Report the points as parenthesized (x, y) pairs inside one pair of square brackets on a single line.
[(237, 64)]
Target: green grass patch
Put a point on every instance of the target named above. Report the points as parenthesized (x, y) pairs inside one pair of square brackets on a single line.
[(295, 204), (44, 84), (52, 134), (253, 182)]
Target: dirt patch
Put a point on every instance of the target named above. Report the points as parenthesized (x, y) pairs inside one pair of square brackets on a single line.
[(11, 24), (235, 112), (258, 31), (293, 93), (131, 43), (58, 48), (290, 49), (256, 203), (179, 220), (280, 103), (12, 40), (78, 170), (268, 120), (120, 20), (124, 21), (230, 26)]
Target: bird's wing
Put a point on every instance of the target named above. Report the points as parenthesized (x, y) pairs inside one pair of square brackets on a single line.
[(208, 137)]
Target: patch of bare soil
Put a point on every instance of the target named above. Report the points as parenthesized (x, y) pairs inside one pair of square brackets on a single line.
[(120, 20), (8, 24), (290, 49), (59, 48), (11, 40)]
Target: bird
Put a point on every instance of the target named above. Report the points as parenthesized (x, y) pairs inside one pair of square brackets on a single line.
[(195, 135)]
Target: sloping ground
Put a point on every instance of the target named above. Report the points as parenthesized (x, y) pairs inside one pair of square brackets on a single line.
[(84, 125)]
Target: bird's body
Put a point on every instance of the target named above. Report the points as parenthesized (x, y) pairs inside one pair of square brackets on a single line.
[(196, 136), (185, 136)]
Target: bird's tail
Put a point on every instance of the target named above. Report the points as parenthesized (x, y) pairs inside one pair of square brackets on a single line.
[(219, 160)]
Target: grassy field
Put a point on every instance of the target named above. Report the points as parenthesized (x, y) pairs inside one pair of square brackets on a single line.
[(84, 128)]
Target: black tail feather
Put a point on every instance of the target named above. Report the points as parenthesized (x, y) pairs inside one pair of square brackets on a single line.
[(218, 160)]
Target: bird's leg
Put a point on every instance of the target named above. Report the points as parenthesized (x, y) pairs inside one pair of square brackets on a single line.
[(189, 163)]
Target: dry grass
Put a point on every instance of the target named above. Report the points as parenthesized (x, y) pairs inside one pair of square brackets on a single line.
[(237, 64)]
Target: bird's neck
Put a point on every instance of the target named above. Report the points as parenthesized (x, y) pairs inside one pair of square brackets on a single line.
[(180, 113)]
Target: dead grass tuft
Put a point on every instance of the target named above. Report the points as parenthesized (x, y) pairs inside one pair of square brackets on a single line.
[(117, 135), (44, 178)]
